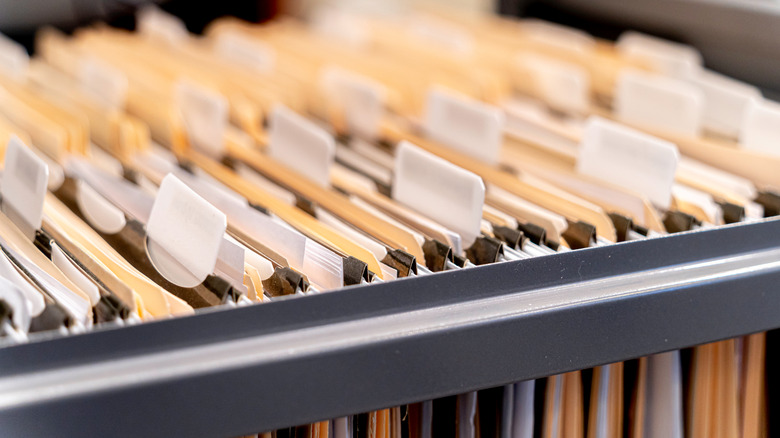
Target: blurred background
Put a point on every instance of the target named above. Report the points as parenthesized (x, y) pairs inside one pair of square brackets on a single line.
[(740, 38)]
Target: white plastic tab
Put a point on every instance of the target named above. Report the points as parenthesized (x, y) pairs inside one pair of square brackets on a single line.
[(557, 36), (464, 124), (66, 266), (246, 51), (362, 99), (106, 84), (562, 85), (301, 145), (154, 22), (761, 127), (205, 115), (323, 266), (13, 58), (103, 82), (263, 266), (184, 234), (659, 102), (99, 212), (531, 121), (725, 102), (440, 190), (11, 295), (628, 158), (670, 58), (442, 34), (338, 24), (25, 178)]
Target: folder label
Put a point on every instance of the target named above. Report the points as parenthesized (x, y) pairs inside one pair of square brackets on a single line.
[(300, 145), (246, 51), (669, 58), (264, 267), (464, 124), (205, 116), (439, 190), (105, 83), (558, 37), (761, 128), (340, 25), (99, 212), (564, 86), (361, 99), (628, 158), (184, 234), (155, 23), (25, 177), (659, 102), (726, 102), (442, 34)]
